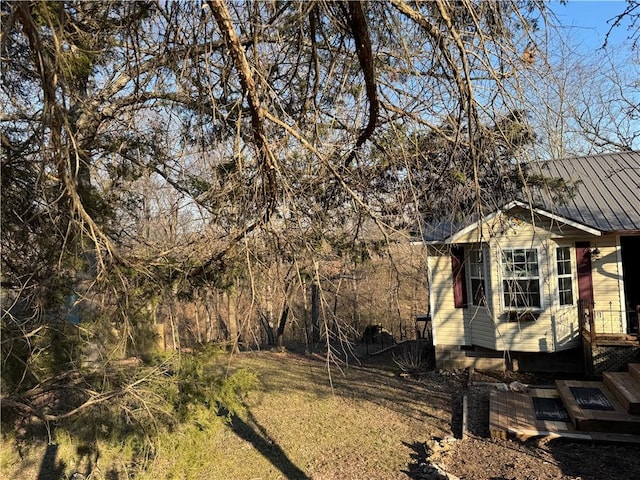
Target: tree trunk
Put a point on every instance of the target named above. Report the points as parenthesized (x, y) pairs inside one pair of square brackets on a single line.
[(232, 319), (281, 325), (197, 322), (266, 325), (315, 313)]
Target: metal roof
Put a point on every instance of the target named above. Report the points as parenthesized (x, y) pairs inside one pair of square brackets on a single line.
[(606, 197), (608, 190)]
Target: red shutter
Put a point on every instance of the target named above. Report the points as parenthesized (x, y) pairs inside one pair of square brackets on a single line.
[(459, 282), (585, 284)]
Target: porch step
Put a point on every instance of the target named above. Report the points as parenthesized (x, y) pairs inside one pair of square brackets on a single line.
[(634, 370), (625, 388), (592, 418)]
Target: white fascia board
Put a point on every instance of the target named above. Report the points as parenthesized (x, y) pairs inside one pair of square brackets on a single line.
[(560, 218), (474, 225), (517, 203)]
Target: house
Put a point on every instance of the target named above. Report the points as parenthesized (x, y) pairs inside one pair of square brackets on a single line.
[(538, 277)]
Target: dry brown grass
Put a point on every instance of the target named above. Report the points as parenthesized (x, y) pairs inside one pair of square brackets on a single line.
[(301, 423), (298, 426)]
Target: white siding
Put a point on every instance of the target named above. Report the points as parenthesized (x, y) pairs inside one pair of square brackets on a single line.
[(448, 322), (606, 283), (526, 335), (473, 325), (556, 327)]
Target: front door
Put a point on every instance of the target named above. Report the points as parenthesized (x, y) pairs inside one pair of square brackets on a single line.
[(585, 282), (631, 275)]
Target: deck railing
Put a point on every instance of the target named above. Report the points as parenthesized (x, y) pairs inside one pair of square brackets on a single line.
[(609, 323)]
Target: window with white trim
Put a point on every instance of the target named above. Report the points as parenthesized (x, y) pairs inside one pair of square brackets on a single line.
[(476, 277), (521, 279), (565, 276)]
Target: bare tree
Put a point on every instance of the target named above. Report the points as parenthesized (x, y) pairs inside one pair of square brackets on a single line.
[(151, 149), (630, 14), (584, 102)]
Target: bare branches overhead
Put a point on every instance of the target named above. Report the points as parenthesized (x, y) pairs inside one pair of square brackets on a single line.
[(253, 113)]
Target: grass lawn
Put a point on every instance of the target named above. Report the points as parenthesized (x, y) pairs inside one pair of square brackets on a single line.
[(363, 422)]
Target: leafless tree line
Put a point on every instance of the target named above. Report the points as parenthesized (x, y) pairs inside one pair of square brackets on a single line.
[(157, 155)]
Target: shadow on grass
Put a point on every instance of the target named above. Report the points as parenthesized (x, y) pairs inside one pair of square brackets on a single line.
[(422, 398), (419, 465), (254, 433), (48, 468)]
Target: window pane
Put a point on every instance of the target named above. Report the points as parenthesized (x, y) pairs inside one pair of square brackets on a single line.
[(566, 298), (476, 274), (533, 290), (477, 289), (565, 291), (508, 256), (564, 268), (521, 283), (475, 270), (521, 293), (475, 256), (565, 279), (563, 254)]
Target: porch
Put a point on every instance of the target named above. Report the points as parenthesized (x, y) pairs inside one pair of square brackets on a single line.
[(606, 345), (610, 327)]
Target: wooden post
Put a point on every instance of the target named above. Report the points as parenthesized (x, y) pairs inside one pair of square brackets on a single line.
[(592, 325)]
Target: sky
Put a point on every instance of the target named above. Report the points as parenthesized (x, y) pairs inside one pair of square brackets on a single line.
[(588, 21)]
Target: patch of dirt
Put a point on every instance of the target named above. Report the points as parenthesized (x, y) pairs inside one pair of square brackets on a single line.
[(478, 457), (539, 459), (528, 378)]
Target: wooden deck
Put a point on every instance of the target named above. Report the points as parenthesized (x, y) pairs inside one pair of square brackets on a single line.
[(512, 414), (611, 339)]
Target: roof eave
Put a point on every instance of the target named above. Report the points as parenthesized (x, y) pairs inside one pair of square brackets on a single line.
[(516, 203), (631, 231)]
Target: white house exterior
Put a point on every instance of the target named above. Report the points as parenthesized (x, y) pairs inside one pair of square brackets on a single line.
[(522, 279)]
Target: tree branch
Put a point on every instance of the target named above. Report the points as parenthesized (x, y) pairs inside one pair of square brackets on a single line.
[(268, 161), (358, 26)]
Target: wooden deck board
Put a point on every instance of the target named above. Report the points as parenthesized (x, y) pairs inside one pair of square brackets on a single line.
[(625, 389), (512, 414), (496, 418), (516, 402), (617, 420)]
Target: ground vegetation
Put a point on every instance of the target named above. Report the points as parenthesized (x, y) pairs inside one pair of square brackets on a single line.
[(180, 174)]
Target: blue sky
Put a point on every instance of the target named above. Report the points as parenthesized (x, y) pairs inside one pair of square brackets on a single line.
[(586, 21)]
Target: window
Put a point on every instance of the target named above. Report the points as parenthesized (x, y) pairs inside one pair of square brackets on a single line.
[(476, 276), (521, 278), (565, 277)]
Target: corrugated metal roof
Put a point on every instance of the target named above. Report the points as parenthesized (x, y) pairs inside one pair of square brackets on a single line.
[(607, 196), (608, 190)]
